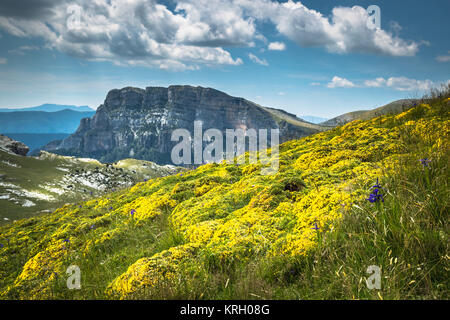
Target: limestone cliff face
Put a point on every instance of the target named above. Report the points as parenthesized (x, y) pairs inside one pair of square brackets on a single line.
[(138, 123)]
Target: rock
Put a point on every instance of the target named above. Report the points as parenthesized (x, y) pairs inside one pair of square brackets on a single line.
[(142, 121), (13, 146)]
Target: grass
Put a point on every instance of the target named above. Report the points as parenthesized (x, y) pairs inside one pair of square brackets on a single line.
[(406, 236), (226, 232)]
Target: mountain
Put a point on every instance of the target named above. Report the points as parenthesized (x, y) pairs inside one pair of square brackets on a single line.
[(313, 119), (224, 231), (391, 108), (139, 122), (47, 107), (64, 121), (30, 185)]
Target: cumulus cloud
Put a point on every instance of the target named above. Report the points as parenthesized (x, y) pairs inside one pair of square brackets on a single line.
[(396, 83), (191, 33), (401, 84), (375, 83), (345, 31), (338, 82), (444, 58), (278, 46)]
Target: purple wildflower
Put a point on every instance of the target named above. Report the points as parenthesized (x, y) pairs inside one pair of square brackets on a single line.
[(425, 162), (92, 227), (376, 194), (132, 212)]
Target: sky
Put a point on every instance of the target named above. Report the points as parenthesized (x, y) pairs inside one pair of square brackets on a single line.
[(314, 57)]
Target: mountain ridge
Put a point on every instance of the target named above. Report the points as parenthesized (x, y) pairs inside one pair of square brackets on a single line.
[(63, 121), (140, 121), (50, 107)]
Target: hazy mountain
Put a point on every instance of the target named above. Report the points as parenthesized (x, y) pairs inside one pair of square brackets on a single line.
[(313, 119), (48, 107), (64, 121), (139, 122)]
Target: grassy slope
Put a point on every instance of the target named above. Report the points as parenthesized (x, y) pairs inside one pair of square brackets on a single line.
[(391, 108), (226, 231), (45, 177)]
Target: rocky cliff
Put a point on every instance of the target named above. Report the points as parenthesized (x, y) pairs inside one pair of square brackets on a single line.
[(9, 145), (138, 123)]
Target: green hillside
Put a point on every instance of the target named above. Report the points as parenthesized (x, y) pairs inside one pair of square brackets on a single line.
[(224, 231), (390, 108), (31, 185)]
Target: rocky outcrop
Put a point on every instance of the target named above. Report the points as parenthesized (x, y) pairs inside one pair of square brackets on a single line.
[(138, 123), (9, 145)]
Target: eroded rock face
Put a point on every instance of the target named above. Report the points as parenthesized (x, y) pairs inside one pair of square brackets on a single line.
[(138, 123), (13, 146)]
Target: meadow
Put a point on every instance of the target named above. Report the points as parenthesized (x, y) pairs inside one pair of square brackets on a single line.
[(371, 192)]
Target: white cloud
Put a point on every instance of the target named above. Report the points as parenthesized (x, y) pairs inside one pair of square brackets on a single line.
[(3, 60), (406, 84), (194, 33), (375, 83), (344, 32), (257, 60), (278, 46), (444, 58), (338, 82), (400, 84), (22, 49)]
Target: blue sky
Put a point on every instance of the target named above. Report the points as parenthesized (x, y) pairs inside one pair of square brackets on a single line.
[(326, 63)]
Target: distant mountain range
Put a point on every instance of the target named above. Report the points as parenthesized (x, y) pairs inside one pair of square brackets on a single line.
[(139, 122), (48, 107), (37, 126), (64, 121)]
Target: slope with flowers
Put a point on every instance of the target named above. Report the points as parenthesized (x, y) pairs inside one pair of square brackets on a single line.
[(188, 235)]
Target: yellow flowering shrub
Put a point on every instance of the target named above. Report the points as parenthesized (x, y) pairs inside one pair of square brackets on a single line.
[(149, 272)]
